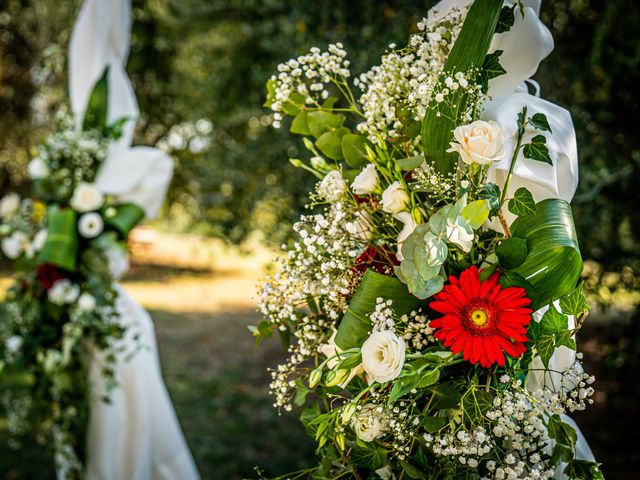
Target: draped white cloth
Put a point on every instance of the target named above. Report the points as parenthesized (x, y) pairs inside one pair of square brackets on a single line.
[(524, 46), (137, 435)]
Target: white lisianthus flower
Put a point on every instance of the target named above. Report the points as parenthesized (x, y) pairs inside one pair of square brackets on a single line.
[(38, 169), (13, 344), (39, 240), (118, 261), (479, 142), (63, 291), (395, 198), (9, 205), (362, 226), (86, 302), (90, 225), (409, 226), (366, 182), (460, 235), (86, 198), (332, 187), (383, 355), (369, 424), (14, 245)]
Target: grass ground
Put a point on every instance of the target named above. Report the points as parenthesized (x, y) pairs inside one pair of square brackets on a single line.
[(200, 295)]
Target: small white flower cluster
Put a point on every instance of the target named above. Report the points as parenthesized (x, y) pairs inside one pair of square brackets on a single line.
[(20, 233), (406, 78), (443, 187), (403, 426), (382, 316), (417, 333), (333, 187), (319, 268), (309, 75)]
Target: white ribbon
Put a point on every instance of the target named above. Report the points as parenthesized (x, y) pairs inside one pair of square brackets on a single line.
[(100, 39)]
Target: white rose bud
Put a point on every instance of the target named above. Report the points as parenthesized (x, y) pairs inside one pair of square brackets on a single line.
[(86, 198), (63, 291), (332, 187), (14, 245), (479, 142), (366, 182), (383, 356), (369, 424), (13, 344), (395, 198), (86, 302), (90, 225), (117, 260), (38, 169), (9, 205)]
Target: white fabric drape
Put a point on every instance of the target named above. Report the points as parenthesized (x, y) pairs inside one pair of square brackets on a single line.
[(137, 435)]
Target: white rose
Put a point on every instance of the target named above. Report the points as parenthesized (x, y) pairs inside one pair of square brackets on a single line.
[(460, 235), (332, 187), (86, 198), (409, 226), (14, 245), (369, 424), (118, 261), (366, 182), (13, 344), (9, 205), (361, 227), (395, 198), (39, 240), (63, 291), (479, 142), (38, 169), (86, 302), (90, 225), (383, 356)]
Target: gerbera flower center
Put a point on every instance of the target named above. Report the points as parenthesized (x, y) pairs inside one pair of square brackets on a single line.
[(479, 317)]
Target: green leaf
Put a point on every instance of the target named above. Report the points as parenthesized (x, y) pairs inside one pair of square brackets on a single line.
[(294, 104), (300, 125), (506, 19), (469, 50), (522, 203), (565, 437), (553, 265), (551, 332), (61, 246), (263, 330), (476, 212), (271, 93), (330, 143), (355, 325), (491, 68), (411, 470), (476, 403), (512, 252), (320, 122), (445, 396), (583, 470), (539, 121), (491, 193), (370, 455), (410, 163), (96, 113), (354, 149), (308, 417), (537, 150), (575, 303), (433, 424), (301, 393)]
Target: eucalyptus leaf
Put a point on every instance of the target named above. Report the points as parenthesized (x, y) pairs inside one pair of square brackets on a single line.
[(300, 125), (410, 163), (320, 122), (354, 149), (476, 213), (330, 143)]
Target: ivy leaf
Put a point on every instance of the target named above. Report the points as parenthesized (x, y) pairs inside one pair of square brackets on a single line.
[(412, 471), (575, 303), (491, 68), (583, 470), (512, 252), (522, 203), (539, 121), (565, 437), (263, 330), (301, 393), (506, 19), (433, 424), (491, 193), (476, 403), (369, 455), (537, 150), (550, 333)]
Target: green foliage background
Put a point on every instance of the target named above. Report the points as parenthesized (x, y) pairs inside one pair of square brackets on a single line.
[(205, 59)]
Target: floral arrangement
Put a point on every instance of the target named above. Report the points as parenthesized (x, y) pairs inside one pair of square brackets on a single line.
[(430, 306), (68, 245)]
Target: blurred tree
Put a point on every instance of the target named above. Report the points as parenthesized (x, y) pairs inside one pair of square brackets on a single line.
[(199, 68)]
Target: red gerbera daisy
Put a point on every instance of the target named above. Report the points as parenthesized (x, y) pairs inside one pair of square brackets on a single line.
[(482, 319)]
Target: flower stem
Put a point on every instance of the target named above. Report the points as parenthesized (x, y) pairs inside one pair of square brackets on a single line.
[(514, 157)]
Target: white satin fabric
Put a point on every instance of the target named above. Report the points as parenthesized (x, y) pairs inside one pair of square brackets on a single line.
[(137, 436)]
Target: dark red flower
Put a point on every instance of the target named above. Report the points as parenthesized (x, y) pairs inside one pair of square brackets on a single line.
[(48, 275), (482, 319)]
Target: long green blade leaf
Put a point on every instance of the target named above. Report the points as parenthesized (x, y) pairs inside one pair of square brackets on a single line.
[(553, 264), (469, 51), (356, 325)]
